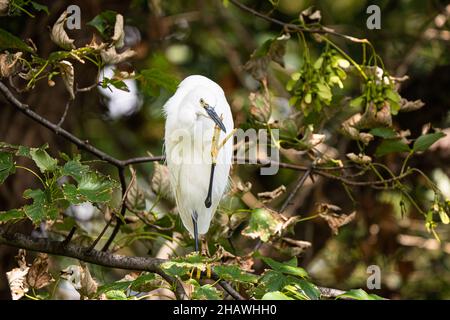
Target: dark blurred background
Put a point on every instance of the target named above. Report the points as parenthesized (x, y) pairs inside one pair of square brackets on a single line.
[(204, 37)]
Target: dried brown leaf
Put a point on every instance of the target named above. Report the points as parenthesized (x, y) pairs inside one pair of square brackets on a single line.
[(88, 284), (4, 7), (268, 196), (292, 247), (360, 158), (119, 33), (110, 55), (373, 117), (38, 275), (9, 64), (81, 279), (17, 277), (59, 35), (96, 44), (68, 76), (259, 107), (135, 195), (407, 106), (160, 183), (334, 220)]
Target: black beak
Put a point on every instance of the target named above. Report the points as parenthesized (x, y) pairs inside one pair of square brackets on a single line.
[(213, 115)]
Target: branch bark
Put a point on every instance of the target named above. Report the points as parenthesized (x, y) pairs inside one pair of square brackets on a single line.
[(112, 260), (291, 26), (85, 145)]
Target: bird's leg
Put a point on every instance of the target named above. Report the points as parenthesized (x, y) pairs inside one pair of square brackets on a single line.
[(214, 152), (194, 221), (220, 146), (208, 200)]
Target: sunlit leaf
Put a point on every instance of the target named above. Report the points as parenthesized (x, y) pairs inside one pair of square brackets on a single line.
[(116, 295), (11, 215), (383, 132), (6, 166), (43, 160), (104, 23), (153, 79), (359, 294), (424, 142), (390, 146), (41, 208), (92, 187), (234, 273), (262, 225), (10, 41), (289, 267), (205, 292), (275, 295)]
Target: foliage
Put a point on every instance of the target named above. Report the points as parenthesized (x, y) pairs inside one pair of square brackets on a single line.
[(330, 94)]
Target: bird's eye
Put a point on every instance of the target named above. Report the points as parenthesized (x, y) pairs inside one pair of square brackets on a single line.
[(202, 101)]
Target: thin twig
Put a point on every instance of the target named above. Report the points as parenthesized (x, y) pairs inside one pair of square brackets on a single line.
[(105, 259), (63, 117), (298, 185), (123, 210), (92, 246), (70, 235), (85, 145), (291, 26)]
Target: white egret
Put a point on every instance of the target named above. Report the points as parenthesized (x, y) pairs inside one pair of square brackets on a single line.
[(197, 112)]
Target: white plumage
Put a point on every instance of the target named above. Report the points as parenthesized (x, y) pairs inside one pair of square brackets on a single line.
[(188, 137)]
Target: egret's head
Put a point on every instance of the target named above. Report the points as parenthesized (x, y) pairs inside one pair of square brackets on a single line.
[(212, 114), (204, 96)]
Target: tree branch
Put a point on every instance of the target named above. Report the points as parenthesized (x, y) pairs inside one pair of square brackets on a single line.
[(298, 185), (101, 258), (291, 26), (111, 260), (85, 145), (123, 163)]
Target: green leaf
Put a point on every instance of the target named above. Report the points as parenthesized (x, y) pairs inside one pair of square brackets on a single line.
[(444, 216), (10, 41), (39, 7), (23, 151), (263, 50), (11, 215), (6, 166), (389, 146), (234, 273), (152, 79), (424, 142), (115, 286), (104, 23), (65, 225), (116, 295), (271, 281), (41, 209), (324, 92), (289, 267), (43, 160), (383, 132), (392, 95), (262, 225), (306, 290), (357, 102), (206, 292), (145, 282), (91, 187), (117, 83), (275, 295), (75, 169), (359, 294), (184, 265)]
